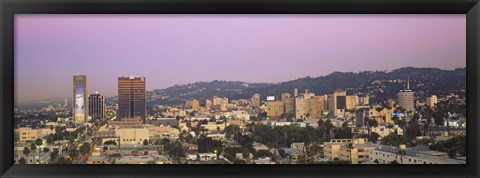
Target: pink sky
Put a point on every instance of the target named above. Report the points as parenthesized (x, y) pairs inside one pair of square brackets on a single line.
[(180, 49)]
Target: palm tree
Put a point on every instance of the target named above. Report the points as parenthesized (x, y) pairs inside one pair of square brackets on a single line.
[(34, 148), (401, 153), (350, 147), (22, 161), (26, 151)]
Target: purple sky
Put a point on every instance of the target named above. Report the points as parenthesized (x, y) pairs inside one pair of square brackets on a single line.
[(180, 49)]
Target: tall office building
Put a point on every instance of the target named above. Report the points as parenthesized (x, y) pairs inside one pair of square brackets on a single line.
[(255, 100), (317, 105), (301, 107), (96, 106), (193, 104), (131, 97), (288, 103), (336, 101), (208, 104), (351, 102), (80, 100), (406, 98), (274, 108)]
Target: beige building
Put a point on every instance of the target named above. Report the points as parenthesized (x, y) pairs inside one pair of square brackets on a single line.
[(302, 107), (193, 104), (126, 122), (212, 126), (220, 102), (363, 100), (208, 104), (333, 103), (29, 134), (351, 102), (288, 103), (317, 106), (432, 101), (155, 131), (381, 114), (274, 108), (357, 153), (132, 135), (333, 148)]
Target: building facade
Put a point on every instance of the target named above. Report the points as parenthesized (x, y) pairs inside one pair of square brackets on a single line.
[(131, 97), (80, 100), (96, 106), (274, 108)]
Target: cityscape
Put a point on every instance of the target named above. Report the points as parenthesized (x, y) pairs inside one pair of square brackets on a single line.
[(240, 89), (291, 127)]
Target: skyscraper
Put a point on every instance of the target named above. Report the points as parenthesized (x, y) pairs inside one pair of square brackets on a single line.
[(96, 106), (80, 100), (406, 98), (131, 97)]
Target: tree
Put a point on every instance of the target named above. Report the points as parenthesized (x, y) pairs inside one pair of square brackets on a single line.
[(350, 147), (63, 160), (33, 147), (412, 130), (394, 162), (394, 140), (239, 161), (145, 142), (105, 148), (401, 153), (26, 151), (374, 137), (262, 153), (54, 154), (372, 123), (85, 148), (22, 161), (73, 153), (46, 150)]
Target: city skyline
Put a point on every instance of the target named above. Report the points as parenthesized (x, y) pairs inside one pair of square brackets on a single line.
[(419, 41)]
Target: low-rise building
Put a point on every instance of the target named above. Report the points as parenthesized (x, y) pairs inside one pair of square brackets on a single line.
[(415, 155), (384, 131)]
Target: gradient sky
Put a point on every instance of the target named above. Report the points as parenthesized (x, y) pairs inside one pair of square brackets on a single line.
[(181, 49)]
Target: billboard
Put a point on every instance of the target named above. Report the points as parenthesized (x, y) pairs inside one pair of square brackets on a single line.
[(270, 98), (79, 104)]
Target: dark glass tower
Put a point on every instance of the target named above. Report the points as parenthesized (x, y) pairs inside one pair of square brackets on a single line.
[(96, 106), (131, 97)]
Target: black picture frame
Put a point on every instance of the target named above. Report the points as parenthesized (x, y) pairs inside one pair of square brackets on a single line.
[(11, 7)]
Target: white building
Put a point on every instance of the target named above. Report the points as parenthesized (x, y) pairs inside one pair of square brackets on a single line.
[(415, 155)]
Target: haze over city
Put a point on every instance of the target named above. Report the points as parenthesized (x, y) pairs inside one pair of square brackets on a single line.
[(181, 49)]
